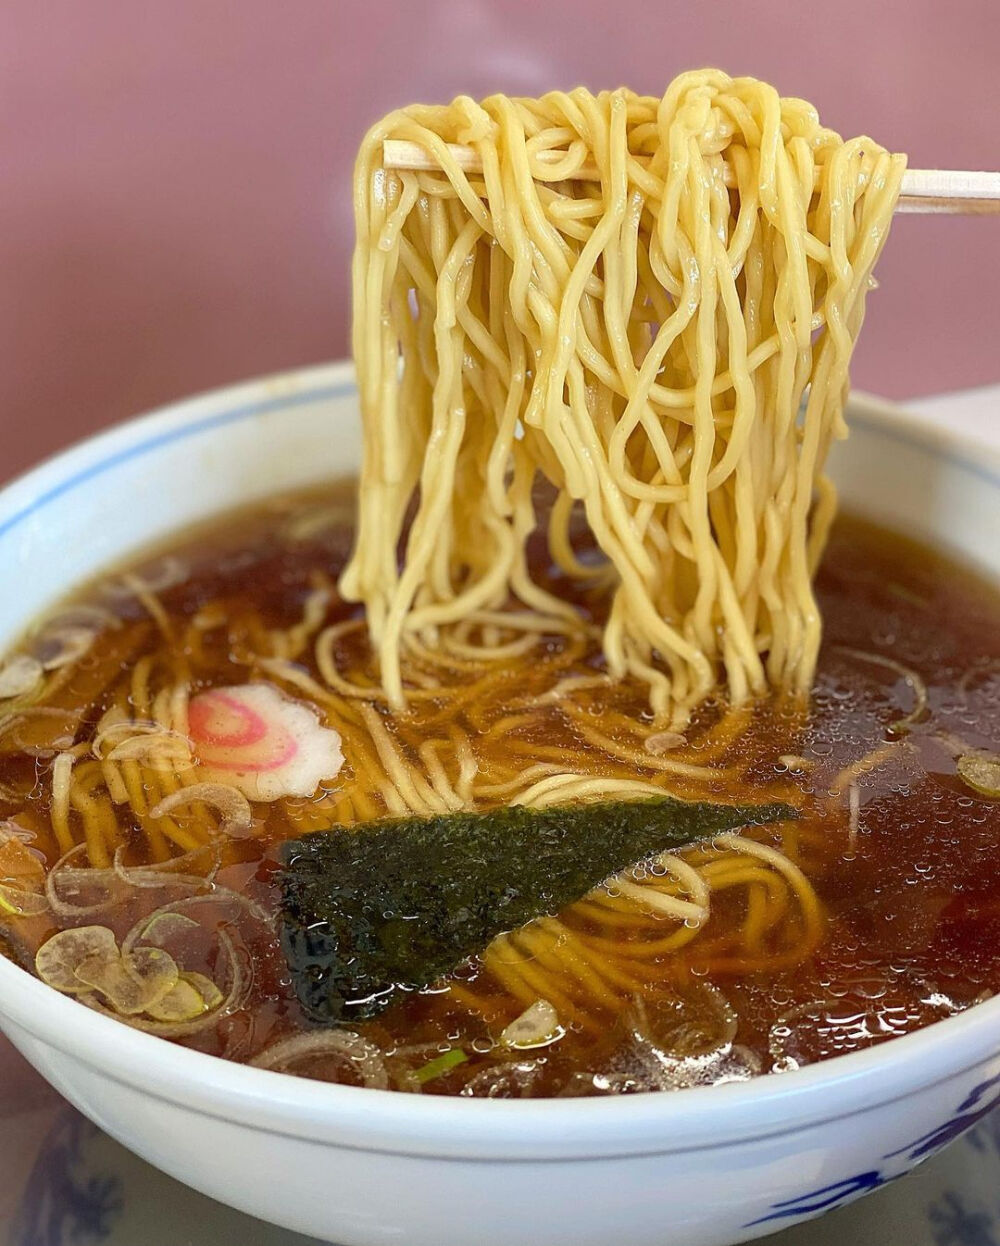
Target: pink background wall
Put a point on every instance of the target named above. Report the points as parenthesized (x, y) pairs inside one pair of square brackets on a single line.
[(174, 174)]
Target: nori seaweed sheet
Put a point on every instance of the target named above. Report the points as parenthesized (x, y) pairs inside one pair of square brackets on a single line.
[(371, 912)]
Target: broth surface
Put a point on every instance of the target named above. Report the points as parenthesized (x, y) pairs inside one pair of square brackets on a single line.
[(896, 926)]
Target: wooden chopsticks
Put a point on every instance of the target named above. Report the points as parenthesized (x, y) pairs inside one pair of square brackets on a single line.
[(923, 190)]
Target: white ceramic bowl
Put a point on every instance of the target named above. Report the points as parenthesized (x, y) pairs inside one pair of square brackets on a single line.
[(694, 1168)]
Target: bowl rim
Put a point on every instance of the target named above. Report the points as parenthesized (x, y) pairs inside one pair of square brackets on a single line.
[(469, 1129)]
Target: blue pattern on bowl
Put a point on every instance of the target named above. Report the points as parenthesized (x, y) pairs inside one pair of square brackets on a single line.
[(64, 1201), (85, 1190), (977, 1105)]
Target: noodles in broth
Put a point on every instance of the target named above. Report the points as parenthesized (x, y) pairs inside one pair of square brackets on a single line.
[(597, 393)]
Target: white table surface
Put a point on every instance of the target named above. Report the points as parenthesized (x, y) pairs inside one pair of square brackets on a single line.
[(63, 1183)]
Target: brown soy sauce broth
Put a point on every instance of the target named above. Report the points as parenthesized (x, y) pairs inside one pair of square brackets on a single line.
[(909, 888)]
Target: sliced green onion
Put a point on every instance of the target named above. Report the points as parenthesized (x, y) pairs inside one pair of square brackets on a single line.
[(906, 594), (191, 995), (981, 771), (539, 1025), (20, 902), (442, 1064)]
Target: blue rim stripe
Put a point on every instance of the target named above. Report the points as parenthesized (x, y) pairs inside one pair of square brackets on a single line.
[(142, 448), (325, 393)]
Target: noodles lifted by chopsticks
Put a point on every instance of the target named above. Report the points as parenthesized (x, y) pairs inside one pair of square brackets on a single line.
[(666, 352)]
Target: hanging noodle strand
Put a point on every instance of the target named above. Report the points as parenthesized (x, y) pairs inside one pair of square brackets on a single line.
[(644, 342)]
